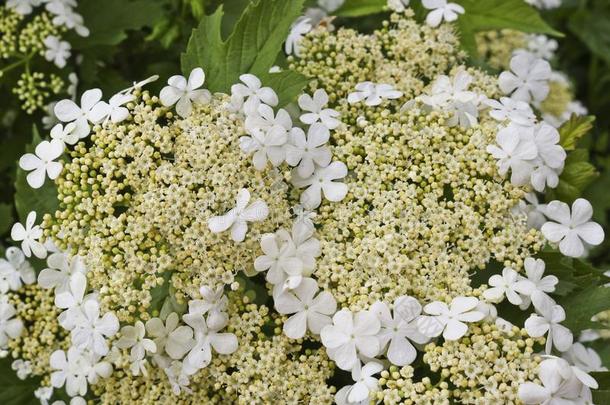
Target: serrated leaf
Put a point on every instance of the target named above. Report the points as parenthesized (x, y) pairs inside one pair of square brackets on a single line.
[(42, 200), (359, 8), (593, 28), (581, 307), (252, 47), (577, 174), (14, 391), (496, 15), (574, 129), (108, 22), (287, 84)]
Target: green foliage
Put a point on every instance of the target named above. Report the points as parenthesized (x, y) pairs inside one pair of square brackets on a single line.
[(574, 129), (14, 391), (42, 200), (602, 395), (577, 174), (358, 8), (252, 47), (496, 15), (594, 30), (6, 217), (287, 84)]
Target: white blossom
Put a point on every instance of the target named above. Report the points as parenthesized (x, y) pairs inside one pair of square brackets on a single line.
[(175, 340), (311, 311), (398, 5), (308, 152), (237, 218), (585, 358), (441, 10), (453, 96), (547, 322), (509, 284), (351, 334), (534, 269), (534, 211), (528, 78), (116, 112), (66, 134), (249, 95), (515, 154), (316, 111), (322, 180), (76, 369), (91, 109), (134, 338), (57, 51), (573, 231), (91, 333), (71, 301), (300, 27), (449, 320), (373, 94), (29, 237), (64, 15), (22, 368), (279, 259), (10, 327), (42, 163), (15, 271), (365, 383), (184, 92), (214, 304), (515, 111), (177, 377), (23, 7), (60, 271)]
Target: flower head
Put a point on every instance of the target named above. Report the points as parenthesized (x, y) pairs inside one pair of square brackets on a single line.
[(237, 218), (185, 92), (29, 237), (42, 163)]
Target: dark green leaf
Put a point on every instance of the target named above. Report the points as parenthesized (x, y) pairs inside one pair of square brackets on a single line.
[(252, 47), (358, 8), (496, 15), (574, 129), (592, 28), (14, 391), (577, 174), (6, 217), (42, 200), (581, 307), (287, 84)]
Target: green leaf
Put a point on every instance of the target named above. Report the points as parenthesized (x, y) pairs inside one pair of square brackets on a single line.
[(358, 8), (577, 174), (252, 47), (6, 217), (581, 307), (574, 129), (14, 391), (108, 22), (287, 84), (495, 15), (43, 200), (592, 28)]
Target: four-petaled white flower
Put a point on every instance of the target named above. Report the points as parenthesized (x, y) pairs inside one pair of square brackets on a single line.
[(92, 331), (351, 334), (441, 10), (305, 151), (23, 7), (373, 94), (572, 230), (279, 259), (66, 134), (175, 340), (515, 154), (322, 180), (452, 95), (265, 146), (533, 211), (133, 337), (57, 51), (206, 338), (116, 112), (29, 236), (15, 271), (585, 358), (184, 92), (528, 78), (534, 269), (400, 329), (92, 109), (60, 271), (42, 163), (398, 5), (214, 304), (237, 218), (177, 377), (71, 301), (509, 284), (64, 14), (316, 111), (365, 383), (547, 321), (10, 327), (449, 320), (249, 95), (22, 368), (515, 111), (542, 46), (310, 311), (76, 369), (550, 159), (300, 27)]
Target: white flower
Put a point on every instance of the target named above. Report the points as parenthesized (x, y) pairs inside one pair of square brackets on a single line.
[(15, 270), (92, 332), (92, 109), (528, 78), (515, 111), (400, 329), (60, 271), (175, 340), (22, 368), (42, 163), (534, 269), (449, 320), (514, 153), (116, 112), (76, 370), (66, 135), (44, 394), (65, 15), (534, 211), (509, 284), (23, 7), (10, 327), (268, 136), (214, 304), (71, 300), (556, 388), (441, 10), (49, 120), (317, 112), (398, 5), (264, 119), (373, 94), (453, 96), (177, 377), (185, 92), (572, 230), (300, 27), (57, 51), (310, 311), (550, 315), (304, 152), (330, 5), (585, 358), (551, 157), (29, 236), (237, 218), (251, 94), (206, 338), (365, 383), (351, 334), (280, 258), (322, 180), (133, 337), (341, 397), (541, 46)]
